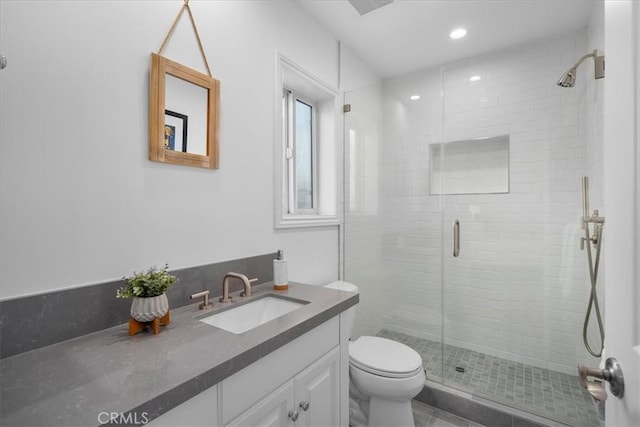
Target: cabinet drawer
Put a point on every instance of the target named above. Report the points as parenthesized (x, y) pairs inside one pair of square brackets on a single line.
[(199, 411), (246, 387)]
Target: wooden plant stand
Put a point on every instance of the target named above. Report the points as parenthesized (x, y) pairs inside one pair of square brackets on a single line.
[(136, 326)]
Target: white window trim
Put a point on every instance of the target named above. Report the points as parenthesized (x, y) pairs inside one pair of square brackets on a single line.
[(318, 217)]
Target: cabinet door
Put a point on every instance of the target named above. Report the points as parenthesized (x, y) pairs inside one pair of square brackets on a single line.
[(318, 390), (272, 411), (246, 388)]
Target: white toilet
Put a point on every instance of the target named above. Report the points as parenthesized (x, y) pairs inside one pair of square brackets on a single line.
[(384, 375)]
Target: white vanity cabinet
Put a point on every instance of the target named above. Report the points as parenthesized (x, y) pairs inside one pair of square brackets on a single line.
[(311, 398), (298, 385), (306, 373)]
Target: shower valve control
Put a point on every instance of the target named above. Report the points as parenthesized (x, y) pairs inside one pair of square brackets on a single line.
[(612, 373)]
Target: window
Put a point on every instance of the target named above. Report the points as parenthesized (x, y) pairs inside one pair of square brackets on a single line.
[(306, 151), (299, 140)]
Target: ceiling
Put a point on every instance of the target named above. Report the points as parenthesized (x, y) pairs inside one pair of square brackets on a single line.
[(410, 35)]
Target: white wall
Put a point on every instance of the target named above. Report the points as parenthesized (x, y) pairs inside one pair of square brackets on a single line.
[(80, 202)]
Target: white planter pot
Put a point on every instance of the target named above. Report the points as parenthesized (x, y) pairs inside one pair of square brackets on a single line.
[(147, 309)]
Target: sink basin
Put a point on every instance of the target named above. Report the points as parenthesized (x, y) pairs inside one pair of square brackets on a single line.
[(244, 317)]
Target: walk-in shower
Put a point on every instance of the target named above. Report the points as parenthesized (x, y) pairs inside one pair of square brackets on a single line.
[(488, 168)]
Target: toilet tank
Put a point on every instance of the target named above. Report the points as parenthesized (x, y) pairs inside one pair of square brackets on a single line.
[(349, 315)]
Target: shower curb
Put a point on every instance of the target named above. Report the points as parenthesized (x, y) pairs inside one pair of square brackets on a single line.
[(471, 408)]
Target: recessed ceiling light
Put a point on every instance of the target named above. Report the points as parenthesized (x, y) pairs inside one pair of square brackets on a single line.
[(475, 79), (458, 33), (414, 97)]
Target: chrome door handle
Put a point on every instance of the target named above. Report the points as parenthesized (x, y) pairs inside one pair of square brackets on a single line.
[(612, 373), (456, 238)]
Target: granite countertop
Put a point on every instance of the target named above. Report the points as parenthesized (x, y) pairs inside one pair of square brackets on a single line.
[(72, 382)]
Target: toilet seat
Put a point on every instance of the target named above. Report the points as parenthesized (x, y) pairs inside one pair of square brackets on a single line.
[(384, 357), (386, 374)]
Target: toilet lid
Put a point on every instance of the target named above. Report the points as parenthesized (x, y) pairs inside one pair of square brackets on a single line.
[(384, 357)]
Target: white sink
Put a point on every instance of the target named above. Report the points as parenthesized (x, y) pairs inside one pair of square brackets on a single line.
[(247, 316)]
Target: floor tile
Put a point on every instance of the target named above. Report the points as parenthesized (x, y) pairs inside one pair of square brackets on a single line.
[(552, 395)]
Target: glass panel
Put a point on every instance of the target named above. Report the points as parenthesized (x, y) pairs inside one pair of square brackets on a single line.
[(304, 155), (393, 235), (287, 136)]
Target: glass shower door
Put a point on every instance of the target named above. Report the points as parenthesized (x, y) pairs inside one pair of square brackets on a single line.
[(515, 293)]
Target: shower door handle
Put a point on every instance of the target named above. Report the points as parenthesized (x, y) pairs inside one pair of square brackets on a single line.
[(456, 238)]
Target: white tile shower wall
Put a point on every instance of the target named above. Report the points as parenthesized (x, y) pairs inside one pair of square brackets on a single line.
[(518, 288)]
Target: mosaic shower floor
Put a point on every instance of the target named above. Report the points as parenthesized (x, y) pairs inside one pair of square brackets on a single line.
[(552, 395)]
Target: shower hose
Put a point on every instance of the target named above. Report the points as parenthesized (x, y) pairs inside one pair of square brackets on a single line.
[(593, 299)]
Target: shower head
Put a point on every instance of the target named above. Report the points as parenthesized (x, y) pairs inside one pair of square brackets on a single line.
[(568, 79)]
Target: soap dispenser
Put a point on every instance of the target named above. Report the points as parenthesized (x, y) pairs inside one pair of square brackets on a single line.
[(280, 279)]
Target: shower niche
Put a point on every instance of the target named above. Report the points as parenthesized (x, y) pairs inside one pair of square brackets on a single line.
[(471, 166)]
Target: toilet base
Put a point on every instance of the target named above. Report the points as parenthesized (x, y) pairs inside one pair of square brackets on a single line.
[(367, 411), (357, 417), (385, 413), (381, 413)]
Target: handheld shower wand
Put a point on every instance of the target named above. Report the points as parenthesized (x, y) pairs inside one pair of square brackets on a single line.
[(596, 241)]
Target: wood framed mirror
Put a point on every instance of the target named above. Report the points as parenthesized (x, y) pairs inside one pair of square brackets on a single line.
[(184, 115)]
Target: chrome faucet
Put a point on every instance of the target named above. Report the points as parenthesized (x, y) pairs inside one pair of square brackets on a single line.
[(225, 286)]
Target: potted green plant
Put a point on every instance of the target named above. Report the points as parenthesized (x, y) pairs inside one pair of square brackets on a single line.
[(148, 292)]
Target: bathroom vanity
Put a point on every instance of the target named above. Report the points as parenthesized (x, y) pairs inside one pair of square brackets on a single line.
[(292, 370), (292, 384)]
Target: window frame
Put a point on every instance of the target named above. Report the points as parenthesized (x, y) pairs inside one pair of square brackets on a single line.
[(326, 129)]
